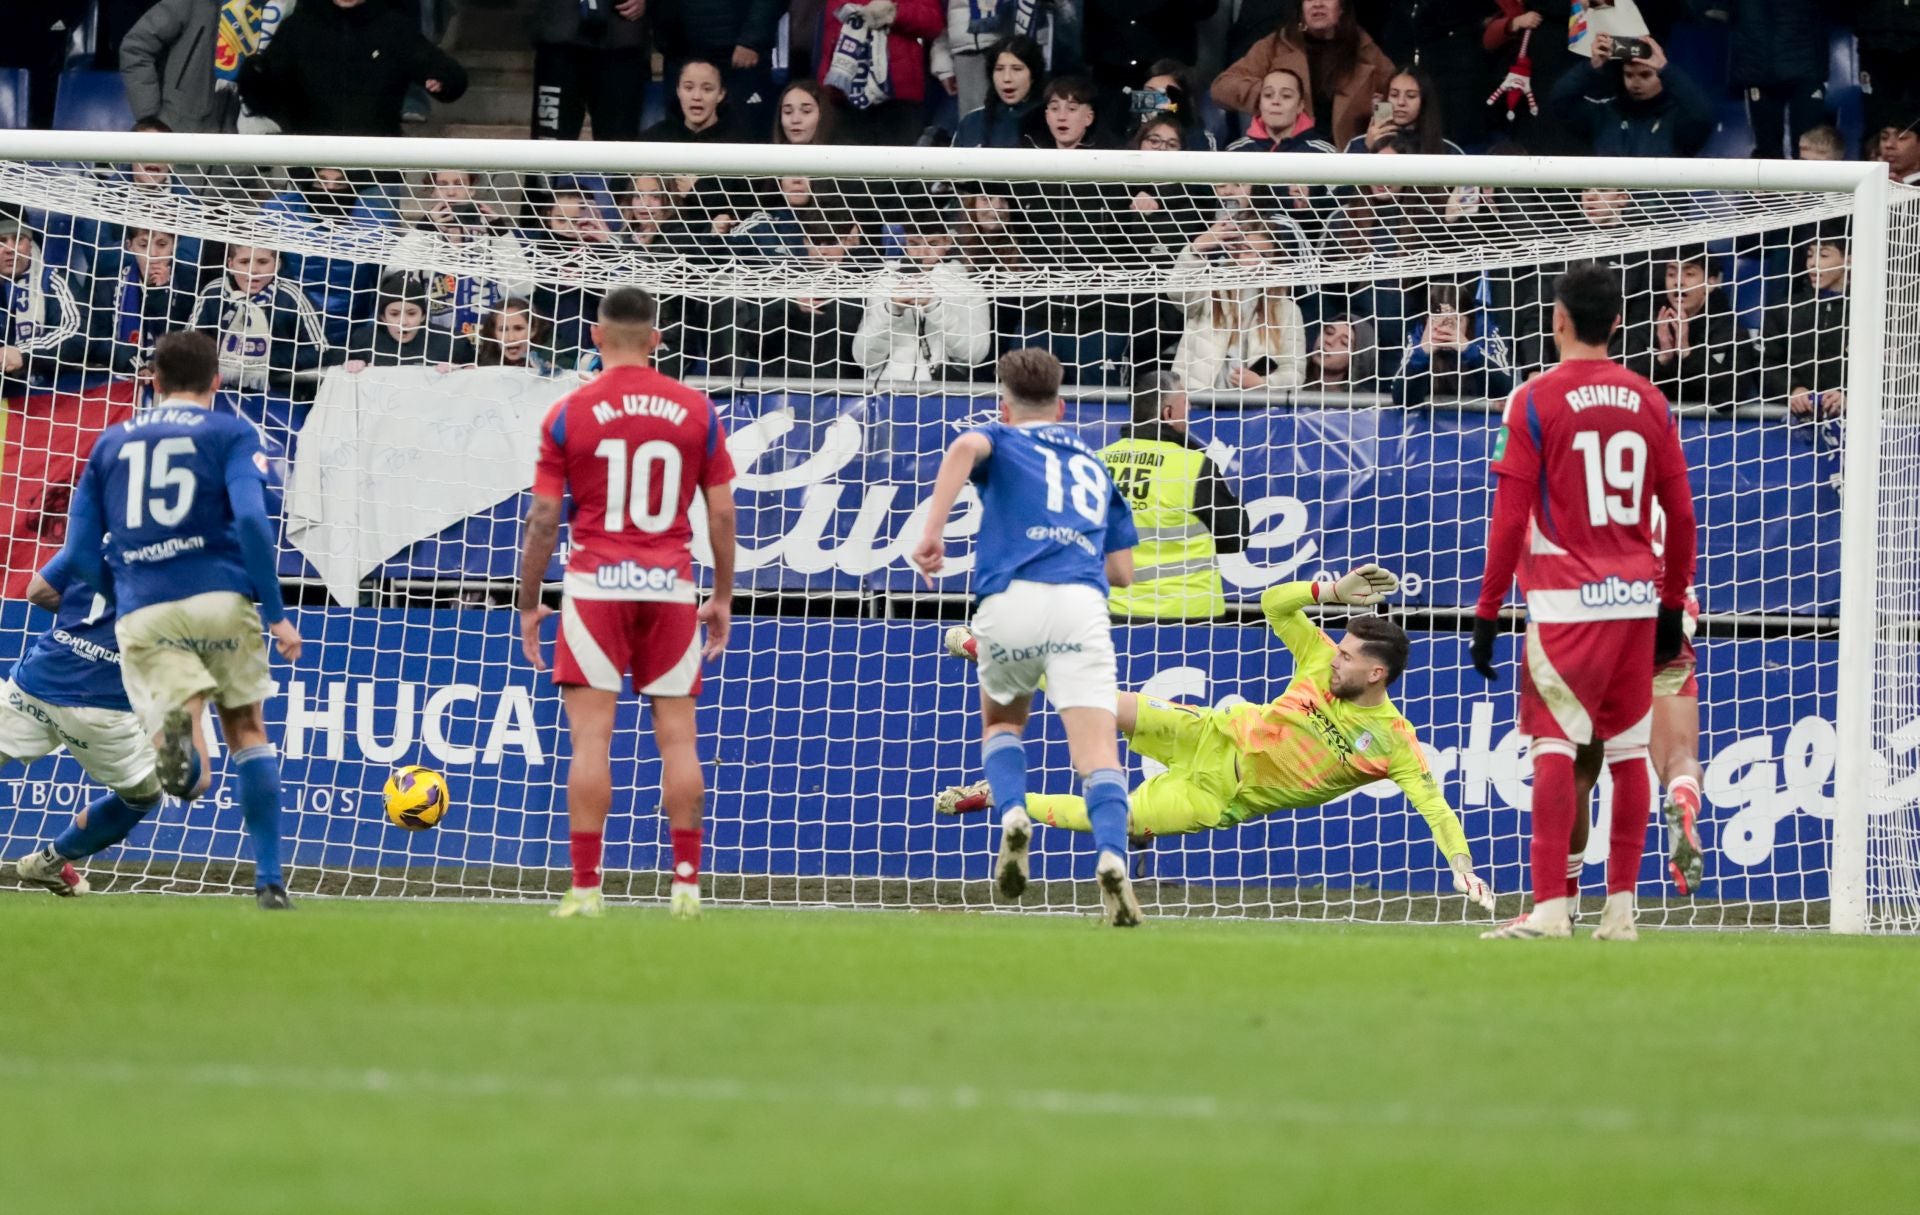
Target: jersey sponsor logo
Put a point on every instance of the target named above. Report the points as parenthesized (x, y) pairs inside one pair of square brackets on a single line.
[(92, 651), (18, 702), (1027, 653), (1329, 732), (164, 550), (1615, 591), (1589, 396), (632, 576), (640, 405), (203, 645), (1064, 535)]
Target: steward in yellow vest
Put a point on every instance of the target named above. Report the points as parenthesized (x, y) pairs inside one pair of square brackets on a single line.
[(1184, 510)]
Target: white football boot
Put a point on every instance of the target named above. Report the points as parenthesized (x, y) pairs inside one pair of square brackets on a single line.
[(1010, 871), (51, 872), (1617, 920)]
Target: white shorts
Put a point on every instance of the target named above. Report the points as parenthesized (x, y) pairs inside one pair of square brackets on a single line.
[(209, 644), (1036, 630), (108, 743)]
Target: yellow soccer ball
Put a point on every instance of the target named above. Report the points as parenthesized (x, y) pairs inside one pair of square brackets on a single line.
[(416, 797)]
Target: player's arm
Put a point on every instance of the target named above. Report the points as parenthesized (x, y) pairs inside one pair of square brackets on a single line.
[(1516, 493), (956, 469), (1409, 770), (246, 494), (717, 612), (1674, 492), (536, 553), (1122, 536), (1284, 607), (85, 553), (43, 589)]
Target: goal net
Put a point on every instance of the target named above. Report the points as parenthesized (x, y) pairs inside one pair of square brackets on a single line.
[(1333, 335)]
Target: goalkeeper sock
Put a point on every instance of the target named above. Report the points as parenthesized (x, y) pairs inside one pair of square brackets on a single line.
[(1067, 811), (1004, 756), (1627, 835), (686, 854), (259, 772), (108, 820), (1107, 809), (583, 848), (1552, 823)]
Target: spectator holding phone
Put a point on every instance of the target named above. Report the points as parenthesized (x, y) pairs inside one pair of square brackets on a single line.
[(925, 319), (457, 218), (1171, 92), (1411, 109), (1452, 351), (1237, 336), (1629, 101)]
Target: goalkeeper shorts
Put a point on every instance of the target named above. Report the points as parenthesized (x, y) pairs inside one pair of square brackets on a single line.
[(1588, 680)]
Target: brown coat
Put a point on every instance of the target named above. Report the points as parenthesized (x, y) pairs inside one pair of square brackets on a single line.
[(1238, 88)]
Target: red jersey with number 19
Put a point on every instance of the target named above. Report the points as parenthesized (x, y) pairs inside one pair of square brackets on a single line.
[(1595, 444), (631, 447)]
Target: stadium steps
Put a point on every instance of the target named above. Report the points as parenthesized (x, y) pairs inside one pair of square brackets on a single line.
[(489, 37)]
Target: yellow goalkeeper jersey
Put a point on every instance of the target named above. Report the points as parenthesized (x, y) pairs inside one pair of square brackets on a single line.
[(1309, 747)]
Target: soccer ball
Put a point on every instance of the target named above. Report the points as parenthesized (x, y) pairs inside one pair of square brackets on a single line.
[(416, 797)]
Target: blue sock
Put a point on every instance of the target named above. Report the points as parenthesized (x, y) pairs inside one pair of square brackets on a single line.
[(1106, 792), (109, 819), (1005, 759), (259, 772)]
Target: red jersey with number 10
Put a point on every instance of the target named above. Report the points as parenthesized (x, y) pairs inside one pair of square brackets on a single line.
[(631, 447), (1595, 443)]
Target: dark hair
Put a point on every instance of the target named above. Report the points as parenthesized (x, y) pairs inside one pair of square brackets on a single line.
[(1186, 98), (489, 349), (1030, 376), (1341, 59), (1150, 392), (699, 61), (1027, 51), (628, 306), (402, 289), (1139, 137), (1382, 640), (829, 113), (1429, 130), (1591, 295), (185, 361), (1690, 255), (1071, 88)]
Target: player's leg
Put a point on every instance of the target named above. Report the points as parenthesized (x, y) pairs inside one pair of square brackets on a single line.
[(1586, 777), (1625, 720), (115, 752), (1554, 713), (168, 683), (683, 794), (1676, 761), (26, 734), (1083, 684), (1003, 756), (590, 714), (256, 768)]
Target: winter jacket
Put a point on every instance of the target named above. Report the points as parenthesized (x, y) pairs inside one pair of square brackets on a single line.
[(1126, 36), (1887, 25), (345, 71), (1676, 123), (1444, 36), (1238, 88), (995, 125), (262, 338), (951, 333), (1209, 349), (557, 23), (1774, 41), (127, 315), (166, 63), (1048, 21), (1806, 344), (714, 27), (1713, 371), (915, 24), (374, 345)]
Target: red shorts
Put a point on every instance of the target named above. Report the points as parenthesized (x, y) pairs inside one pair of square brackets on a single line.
[(602, 640), (1588, 680), (1677, 678)]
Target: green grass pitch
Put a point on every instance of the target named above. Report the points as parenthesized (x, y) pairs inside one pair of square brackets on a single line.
[(193, 1055)]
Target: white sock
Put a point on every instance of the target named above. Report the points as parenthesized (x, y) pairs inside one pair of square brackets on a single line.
[(1617, 903), (1576, 864), (1549, 909)]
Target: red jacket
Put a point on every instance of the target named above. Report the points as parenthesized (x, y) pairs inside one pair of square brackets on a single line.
[(916, 23)]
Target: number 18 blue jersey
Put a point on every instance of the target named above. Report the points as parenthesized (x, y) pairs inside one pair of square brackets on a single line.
[(1049, 510), (159, 483)]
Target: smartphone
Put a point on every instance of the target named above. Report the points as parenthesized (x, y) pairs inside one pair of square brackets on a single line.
[(1382, 111), (1629, 49), (467, 215), (1148, 101)]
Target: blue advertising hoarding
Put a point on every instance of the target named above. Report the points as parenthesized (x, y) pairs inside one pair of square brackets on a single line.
[(827, 740)]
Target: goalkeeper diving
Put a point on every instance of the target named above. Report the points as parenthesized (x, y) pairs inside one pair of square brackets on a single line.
[(1331, 731)]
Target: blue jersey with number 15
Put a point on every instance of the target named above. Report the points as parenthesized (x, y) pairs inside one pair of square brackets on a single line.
[(160, 485), (1049, 510)]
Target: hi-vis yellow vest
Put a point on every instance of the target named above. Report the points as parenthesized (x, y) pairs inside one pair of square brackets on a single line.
[(1174, 569)]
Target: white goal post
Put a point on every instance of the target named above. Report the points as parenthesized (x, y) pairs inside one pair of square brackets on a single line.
[(826, 317)]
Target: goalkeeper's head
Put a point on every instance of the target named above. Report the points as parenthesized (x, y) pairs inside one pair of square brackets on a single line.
[(1368, 660), (625, 330), (1030, 386)]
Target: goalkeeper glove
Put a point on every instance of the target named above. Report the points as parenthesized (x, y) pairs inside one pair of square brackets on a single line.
[(1484, 631), (1669, 635), (1362, 587), (1467, 882)]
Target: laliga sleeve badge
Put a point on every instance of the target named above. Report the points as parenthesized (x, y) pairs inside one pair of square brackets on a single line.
[(260, 462)]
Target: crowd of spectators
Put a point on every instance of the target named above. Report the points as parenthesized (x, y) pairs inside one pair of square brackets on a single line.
[(1322, 76)]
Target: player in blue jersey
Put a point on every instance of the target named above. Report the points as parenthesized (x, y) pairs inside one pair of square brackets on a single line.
[(173, 504), (1054, 533), (66, 692)]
